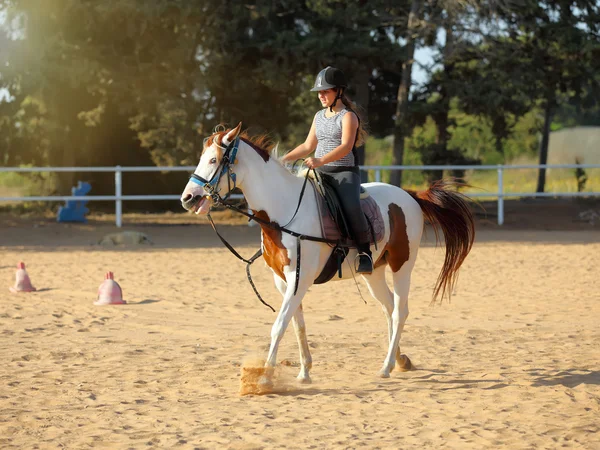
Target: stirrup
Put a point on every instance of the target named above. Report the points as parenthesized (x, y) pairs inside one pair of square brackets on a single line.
[(363, 270)]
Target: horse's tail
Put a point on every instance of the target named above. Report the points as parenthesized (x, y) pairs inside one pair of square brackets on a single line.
[(448, 210)]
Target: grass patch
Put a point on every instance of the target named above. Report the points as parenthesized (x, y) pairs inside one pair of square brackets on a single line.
[(16, 184)]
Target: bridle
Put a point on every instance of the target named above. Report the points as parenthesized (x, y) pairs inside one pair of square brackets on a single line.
[(224, 168)]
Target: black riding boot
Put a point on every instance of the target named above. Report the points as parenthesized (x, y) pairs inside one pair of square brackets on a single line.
[(365, 260)]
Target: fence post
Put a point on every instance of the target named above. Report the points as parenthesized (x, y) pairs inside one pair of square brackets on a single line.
[(378, 175), (500, 194), (118, 194)]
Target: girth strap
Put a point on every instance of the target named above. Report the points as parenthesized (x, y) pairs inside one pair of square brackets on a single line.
[(297, 265)]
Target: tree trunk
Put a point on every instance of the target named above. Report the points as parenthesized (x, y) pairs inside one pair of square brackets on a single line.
[(401, 131), (548, 113), (499, 144)]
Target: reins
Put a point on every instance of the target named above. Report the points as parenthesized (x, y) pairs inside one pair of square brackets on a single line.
[(299, 236), (211, 186)]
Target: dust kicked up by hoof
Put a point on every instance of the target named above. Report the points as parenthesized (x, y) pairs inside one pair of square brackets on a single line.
[(256, 379)]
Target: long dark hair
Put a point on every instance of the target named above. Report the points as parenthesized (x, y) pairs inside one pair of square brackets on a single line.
[(362, 123)]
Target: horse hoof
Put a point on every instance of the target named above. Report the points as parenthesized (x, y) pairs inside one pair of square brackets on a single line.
[(265, 382), (383, 373), (304, 379), (405, 364)]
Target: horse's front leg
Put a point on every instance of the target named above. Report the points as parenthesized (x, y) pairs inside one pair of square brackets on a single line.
[(289, 306), (300, 329)]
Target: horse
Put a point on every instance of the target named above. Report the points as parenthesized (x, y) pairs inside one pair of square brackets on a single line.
[(232, 159)]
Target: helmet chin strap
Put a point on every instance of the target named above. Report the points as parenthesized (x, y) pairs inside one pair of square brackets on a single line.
[(338, 96)]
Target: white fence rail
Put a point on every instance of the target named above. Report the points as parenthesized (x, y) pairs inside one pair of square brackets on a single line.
[(119, 198)]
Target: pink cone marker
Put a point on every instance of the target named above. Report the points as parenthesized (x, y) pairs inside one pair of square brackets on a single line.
[(22, 283), (109, 292)]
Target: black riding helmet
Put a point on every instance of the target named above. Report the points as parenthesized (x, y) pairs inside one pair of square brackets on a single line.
[(331, 78)]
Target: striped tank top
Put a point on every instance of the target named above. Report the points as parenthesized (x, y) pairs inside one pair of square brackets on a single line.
[(329, 137)]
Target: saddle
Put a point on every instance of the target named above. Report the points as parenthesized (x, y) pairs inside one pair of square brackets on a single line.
[(334, 225)]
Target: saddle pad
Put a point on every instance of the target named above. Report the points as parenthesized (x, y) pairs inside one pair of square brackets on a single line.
[(370, 209)]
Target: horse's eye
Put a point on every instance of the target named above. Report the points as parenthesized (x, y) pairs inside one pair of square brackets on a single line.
[(213, 161)]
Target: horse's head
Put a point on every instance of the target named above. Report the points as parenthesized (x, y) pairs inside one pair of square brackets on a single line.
[(214, 176)]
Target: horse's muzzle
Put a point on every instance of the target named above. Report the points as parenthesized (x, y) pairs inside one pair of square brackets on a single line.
[(198, 204), (189, 201)]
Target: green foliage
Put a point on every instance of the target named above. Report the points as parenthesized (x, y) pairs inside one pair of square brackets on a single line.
[(133, 83), (473, 133), (171, 69), (168, 134)]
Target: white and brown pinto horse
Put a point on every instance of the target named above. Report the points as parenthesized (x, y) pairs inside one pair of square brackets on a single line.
[(273, 192)]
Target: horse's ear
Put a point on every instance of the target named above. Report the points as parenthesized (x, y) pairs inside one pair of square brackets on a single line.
[(229, 137)]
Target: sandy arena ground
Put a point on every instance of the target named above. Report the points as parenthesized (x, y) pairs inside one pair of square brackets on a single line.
[(513, 361)]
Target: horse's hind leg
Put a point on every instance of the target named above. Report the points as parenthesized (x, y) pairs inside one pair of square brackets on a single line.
[(300, 329), (381, 292), (399, 315)]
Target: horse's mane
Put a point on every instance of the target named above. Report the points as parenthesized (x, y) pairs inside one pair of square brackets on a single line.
[(261, 143)]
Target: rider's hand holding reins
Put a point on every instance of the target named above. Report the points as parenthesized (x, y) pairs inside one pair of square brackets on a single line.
[(313, 163)]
